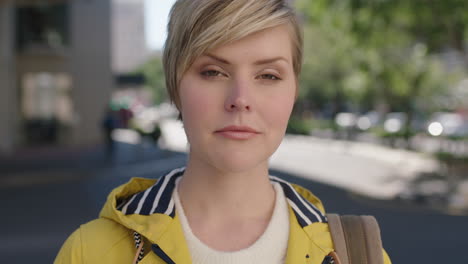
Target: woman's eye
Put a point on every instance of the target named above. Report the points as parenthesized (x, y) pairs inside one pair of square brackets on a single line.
[(269, 77), (211, 73)]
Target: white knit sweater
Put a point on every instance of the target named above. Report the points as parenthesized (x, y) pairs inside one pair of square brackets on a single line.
[(270, 247)]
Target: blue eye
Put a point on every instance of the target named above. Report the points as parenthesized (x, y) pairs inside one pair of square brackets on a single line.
[(269, 77), (211, 73)]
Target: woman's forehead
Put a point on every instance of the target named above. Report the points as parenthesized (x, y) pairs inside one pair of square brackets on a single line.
[(267, 46), (256, 61)]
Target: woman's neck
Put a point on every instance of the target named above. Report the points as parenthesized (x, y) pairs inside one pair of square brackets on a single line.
[(209, 193)]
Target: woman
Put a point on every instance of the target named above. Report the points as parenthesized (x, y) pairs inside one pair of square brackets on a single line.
[(232, 71)]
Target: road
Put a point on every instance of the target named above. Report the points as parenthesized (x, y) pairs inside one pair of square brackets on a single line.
[(37, 218)]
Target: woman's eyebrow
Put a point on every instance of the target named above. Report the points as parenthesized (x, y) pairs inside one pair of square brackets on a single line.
[(271, 60), (258, 62), (223, 61)]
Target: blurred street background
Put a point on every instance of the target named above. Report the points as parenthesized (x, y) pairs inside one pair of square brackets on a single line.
[(380, 126)]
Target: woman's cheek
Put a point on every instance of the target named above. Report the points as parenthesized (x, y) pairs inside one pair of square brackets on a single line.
[(280, 110)]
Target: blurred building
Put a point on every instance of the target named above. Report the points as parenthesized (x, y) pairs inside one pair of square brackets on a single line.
[(129, 53), (129, 49), (55, 72)]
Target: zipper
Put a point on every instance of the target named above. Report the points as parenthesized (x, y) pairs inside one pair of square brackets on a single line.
[(161, 254)]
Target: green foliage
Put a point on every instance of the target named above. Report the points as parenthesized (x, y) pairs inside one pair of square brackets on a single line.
[(323, 124), (299, 126), (458, 138), (155, 80), (451, 158), (394, 135), (366, 54)]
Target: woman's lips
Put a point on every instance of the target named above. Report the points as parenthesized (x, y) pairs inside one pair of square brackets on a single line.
[(237, 132)]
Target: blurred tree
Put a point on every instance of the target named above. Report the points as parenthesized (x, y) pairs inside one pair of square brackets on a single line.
[(438, 24), (328, 63), (379, 54), (155, 80)]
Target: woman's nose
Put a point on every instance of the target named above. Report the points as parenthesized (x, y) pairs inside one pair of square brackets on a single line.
[(238, 97)]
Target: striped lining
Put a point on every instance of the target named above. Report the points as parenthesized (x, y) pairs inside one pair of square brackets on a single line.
[(155, 200), (158, 200), (306, 213)]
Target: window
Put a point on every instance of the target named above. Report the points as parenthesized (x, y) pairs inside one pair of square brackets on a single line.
[(46, 106), (42, 25)]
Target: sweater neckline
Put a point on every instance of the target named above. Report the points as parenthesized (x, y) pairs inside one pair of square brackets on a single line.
[(270, 247)]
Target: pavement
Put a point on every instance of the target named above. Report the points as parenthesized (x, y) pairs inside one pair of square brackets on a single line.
[(40, 216), (57, 165), (368, 169)]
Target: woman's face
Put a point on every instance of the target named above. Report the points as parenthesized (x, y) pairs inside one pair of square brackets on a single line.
[(236, 101)]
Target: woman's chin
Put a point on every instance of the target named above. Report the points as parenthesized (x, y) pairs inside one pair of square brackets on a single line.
[(232, 158), (238, 163)]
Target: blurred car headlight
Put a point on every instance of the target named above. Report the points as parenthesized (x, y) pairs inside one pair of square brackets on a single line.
[(392, 125), (346, 120), (435, 129), (364, 123)]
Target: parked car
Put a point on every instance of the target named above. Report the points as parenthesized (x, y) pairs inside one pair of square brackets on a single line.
[(346, 120), (394, 122), (447, 124), (368, 120)]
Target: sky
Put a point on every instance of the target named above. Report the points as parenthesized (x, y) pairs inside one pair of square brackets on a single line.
[(156, 14)]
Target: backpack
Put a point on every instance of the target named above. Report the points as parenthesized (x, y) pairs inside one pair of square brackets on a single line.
[(356, 238)]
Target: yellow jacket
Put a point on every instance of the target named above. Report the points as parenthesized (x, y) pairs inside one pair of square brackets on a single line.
[(146, 206)]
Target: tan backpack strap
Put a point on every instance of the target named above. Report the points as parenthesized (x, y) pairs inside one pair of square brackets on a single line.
[(356, 239), (373, 239), (338, 237)]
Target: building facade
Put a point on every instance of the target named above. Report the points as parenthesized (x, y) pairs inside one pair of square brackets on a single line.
[(129, 49), (55, 72)]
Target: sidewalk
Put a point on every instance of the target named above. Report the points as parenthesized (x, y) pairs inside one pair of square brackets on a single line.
[(64, 164), (372, 170), (369, 169)]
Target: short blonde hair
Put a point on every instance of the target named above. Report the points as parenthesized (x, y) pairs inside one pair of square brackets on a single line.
[(196, 26)]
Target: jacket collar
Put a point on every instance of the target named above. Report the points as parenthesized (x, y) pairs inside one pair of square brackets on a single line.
[(309, 240), (155, 200), (158, 200)]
